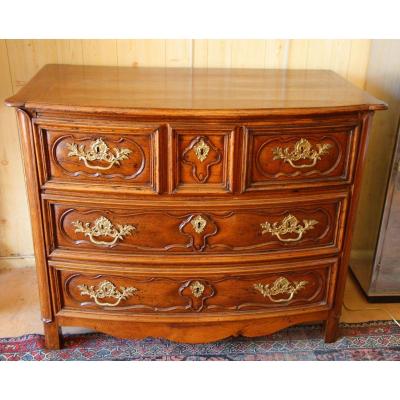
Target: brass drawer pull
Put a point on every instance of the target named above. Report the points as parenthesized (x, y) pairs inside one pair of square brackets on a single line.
[(103, 227), (280, 286), (302, 151), (98, 151), (290, 224), (107, 289)]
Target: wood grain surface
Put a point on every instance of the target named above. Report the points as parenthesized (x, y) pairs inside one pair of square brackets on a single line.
[(164, 90), (183, 249)]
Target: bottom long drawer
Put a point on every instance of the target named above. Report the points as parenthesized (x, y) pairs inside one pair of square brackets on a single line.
[(277, 287)]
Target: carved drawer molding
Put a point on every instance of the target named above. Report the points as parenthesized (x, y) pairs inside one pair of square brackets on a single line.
[(191, 204), (251, 292), (256, 229), (202, 160), (296, 158), (83, 156)]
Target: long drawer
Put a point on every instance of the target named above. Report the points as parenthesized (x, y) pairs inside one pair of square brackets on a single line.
[(292, 226), (273, 288)]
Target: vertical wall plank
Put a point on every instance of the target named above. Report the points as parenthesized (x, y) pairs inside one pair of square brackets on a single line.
[(298, 53), (219, 53), (15, 231), (69, 51), (349, 58), (100, 52), (240, 53), (276, 53), (248, 53), (319, 54), (178, 53), (200, 53), (340, 56), (139, 53), (358, 62), (28, 56)]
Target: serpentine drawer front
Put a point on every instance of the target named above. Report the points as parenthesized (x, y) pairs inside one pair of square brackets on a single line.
[(295, 286), (191, 204), (311, 227), (84, 155), (312, 156)]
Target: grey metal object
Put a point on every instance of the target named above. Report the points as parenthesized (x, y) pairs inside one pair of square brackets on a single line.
[(380, 279)]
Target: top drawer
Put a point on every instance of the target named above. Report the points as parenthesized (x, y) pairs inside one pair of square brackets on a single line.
[(99, 155), (297, 157), (193, 159)]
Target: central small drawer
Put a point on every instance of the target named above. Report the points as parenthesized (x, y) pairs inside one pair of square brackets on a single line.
[(202, 159), (290, 226)]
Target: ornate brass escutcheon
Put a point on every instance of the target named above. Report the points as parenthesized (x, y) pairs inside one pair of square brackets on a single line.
[(302, 151), (104, 290), (197, 288), (280, 286), (103, 227), (98, 151), (199, 223), (290, 224), (201, 150)]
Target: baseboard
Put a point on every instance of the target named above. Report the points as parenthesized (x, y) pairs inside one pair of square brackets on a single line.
[(17, 262)]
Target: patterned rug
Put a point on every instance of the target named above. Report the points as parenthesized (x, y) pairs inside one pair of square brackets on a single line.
[(379, 340)]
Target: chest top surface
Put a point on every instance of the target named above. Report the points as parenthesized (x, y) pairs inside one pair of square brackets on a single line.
[(197, 91)]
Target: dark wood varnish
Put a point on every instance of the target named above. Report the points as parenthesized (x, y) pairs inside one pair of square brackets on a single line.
[(223, 294), (191, 204), (264, 169), (228, 230), (125, 156)]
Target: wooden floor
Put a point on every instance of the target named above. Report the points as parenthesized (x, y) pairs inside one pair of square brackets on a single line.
[(19, 304)]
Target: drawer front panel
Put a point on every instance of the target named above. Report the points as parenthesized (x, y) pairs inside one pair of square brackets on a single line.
[(298, 157), (201, 160), (293, 287), (100, 156), (287, 228)]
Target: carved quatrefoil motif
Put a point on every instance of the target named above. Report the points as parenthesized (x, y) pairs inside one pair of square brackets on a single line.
[(201, 155), (198, 227), (196, 292)]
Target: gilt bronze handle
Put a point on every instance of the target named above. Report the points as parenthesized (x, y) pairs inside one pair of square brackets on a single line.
[(98, 151), (302, 151), (290, 224), (104, 290), (280, 286), (103, 227)]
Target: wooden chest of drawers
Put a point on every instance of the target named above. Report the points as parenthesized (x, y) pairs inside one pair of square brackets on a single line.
[(191, 204)]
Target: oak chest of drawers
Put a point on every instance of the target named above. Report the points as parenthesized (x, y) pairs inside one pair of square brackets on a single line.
[(191, 204)]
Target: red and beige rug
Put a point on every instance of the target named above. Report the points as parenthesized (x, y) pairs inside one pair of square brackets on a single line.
[(378, 340)]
